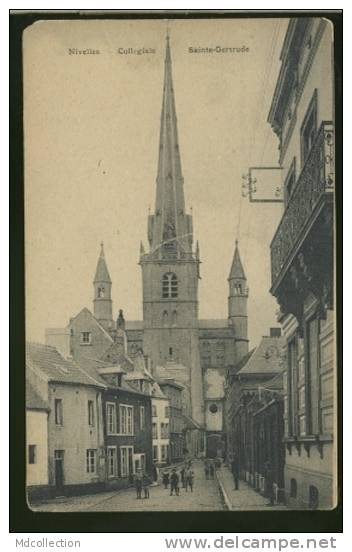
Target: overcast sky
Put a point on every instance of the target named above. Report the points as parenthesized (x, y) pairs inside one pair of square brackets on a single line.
[(91, 143)]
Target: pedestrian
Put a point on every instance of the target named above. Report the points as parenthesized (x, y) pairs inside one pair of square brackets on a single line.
[(211, 470), (146, 481), (155, 473), (166, 479), (206, 469), (189, 477), (138, 483), (235, 469), (182, 473), (269, 483), (174, 481)]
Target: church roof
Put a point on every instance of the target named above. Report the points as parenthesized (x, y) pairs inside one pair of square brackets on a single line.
[(190, 423), (102, 273), (236, 267)]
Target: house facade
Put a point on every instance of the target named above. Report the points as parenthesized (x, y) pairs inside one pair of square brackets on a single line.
[(37, 413), (74, 432), (302, 260), (255, 414)]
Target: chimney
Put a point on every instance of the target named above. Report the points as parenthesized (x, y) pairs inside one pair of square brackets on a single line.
[(275, 332)]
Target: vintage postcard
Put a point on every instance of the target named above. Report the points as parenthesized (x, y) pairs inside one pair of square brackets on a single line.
[(179, 227)]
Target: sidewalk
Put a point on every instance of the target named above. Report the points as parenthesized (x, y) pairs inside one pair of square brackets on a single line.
[(246, 498)]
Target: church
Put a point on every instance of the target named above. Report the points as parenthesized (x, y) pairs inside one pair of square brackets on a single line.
[(192, 352)]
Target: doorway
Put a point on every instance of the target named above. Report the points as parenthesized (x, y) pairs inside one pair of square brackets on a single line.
[(59, 471)]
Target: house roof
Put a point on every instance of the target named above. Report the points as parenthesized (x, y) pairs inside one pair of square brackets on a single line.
[(49, 361), (266, 358), (190, 423), (33, 400), (93, 366), (234, 369)]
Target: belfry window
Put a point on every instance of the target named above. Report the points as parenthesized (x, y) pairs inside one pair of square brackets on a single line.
[(169, 286), (101, 292)]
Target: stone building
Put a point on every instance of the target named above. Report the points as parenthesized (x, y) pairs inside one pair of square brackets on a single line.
[(181, 347), (302, 260)]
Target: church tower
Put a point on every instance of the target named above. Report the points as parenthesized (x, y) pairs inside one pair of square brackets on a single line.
[(102, 292), (170, 270), (237, 304)]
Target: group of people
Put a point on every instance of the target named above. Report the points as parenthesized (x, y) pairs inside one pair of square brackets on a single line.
[(186, 477), (142, 483)]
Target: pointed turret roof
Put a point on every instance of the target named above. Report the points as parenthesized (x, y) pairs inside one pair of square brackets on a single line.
[(102, 273), (237, 268)]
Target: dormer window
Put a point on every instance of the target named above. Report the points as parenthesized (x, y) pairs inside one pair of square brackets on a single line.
[(169, 286), (86, 338)]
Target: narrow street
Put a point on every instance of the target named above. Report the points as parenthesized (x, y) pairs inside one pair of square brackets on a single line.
[(205, 496)]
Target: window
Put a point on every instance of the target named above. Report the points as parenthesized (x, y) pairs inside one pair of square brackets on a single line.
[(164, 453), (313, 371), (169, 286), (86, 338), (101, 292), (111, 418), (313, 498), (293, 488), (309, 129), (213, 408), (165, 318), (142, 417), (167, 411), (174, 318), (164, 430), (154, 412), (112, 462), (290, 181), (91, 413), (220, 353), (155, 453), (32, 454), (59, 420), (126, 419), (91, 459), (154, 431), (126, 461)]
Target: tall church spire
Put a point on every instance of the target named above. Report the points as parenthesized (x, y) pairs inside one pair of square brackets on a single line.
[(169, 229)]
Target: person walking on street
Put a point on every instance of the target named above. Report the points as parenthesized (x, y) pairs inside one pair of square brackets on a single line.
[(166, 479), (189, 479), (145, 484), (206, 469), (211, 470), (138, 483), (182, 473), (174, 480), (269, 483), (235, 468)]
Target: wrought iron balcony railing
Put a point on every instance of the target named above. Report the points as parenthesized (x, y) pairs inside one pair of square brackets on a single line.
[(317, 179)]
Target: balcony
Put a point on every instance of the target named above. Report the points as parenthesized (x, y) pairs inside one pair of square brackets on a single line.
[(313, 190)]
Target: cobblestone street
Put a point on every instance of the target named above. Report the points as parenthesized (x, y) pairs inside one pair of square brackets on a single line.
[(205, 496)]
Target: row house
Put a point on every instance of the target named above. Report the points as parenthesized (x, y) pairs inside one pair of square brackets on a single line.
[(65, 434), (302, 260), (254, 417), (99, 429)]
